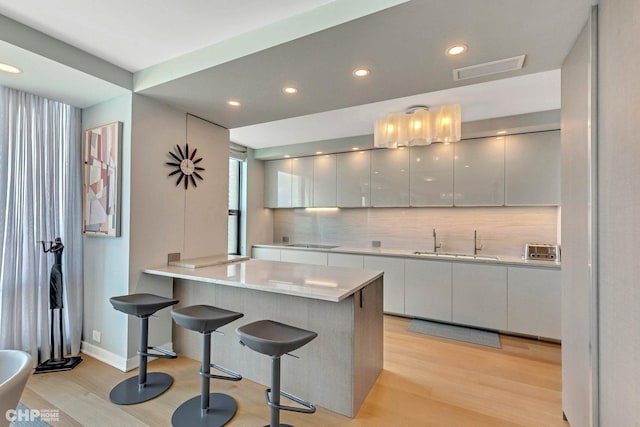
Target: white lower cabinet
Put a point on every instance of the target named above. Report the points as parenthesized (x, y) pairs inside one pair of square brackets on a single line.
[(269, 254), (303, 257), (524, 300), (534, 301), (427, 289), (480, 295), (346, 260), (393, 300)]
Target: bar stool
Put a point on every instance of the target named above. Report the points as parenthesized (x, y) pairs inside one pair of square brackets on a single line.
[(147, 385), (208, 409), (275, 339)]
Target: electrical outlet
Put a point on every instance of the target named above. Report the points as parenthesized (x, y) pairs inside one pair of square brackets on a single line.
[(97, 336)]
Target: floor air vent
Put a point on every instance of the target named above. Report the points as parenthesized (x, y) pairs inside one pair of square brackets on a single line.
[(494, 67)]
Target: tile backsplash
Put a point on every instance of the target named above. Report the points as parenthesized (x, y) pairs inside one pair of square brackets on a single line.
[(501, 230)]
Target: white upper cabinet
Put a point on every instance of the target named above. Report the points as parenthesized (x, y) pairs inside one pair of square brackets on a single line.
[(302, 182), (354, 179), (432, 175), (533, 169), (277, 183), (324, 181), (390, 177), (479, 172)]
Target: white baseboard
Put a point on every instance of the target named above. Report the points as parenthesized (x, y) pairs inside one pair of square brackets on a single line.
[(112, 359)]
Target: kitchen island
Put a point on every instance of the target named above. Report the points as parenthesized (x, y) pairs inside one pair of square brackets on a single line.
[(343, 305)]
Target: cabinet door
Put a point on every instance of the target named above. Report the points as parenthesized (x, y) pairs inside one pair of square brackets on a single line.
[(432, 175), (479, 172), (354, 179), (480, 295), (534, 301), (532, 169), (277, 183), (301, 182), (270, 254), (427, 289), (346, 260), (390, 177), (324, 181), (303, 257), (393, 297)]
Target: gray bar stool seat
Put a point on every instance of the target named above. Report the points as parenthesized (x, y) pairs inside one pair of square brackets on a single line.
[(208, 409), (145, 386), (276, 339)]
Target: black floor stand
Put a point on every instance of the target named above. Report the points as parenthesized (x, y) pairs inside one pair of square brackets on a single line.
[(57, 364)]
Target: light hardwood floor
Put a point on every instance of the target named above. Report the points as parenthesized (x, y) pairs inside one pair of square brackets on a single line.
[(426, 381)]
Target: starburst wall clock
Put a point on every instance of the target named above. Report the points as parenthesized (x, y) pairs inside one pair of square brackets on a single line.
[(186, 167)]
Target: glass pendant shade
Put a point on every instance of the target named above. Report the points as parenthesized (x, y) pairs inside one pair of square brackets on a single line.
[(420, 126)]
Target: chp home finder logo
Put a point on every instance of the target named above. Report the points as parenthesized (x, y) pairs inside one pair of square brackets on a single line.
[(30, 415)]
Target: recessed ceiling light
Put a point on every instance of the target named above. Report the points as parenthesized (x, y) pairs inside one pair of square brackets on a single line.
[(286, 156), (355, 148), (9, 68), (361, 72), (318, 152), (456, 49), (501, 132), (290, 90), (233, 103)]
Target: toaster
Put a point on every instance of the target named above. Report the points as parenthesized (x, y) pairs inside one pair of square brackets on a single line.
[(542, 252)]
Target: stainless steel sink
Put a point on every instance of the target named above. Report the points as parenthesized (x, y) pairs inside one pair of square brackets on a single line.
[(311, 246), (479, 257), (456, 256)]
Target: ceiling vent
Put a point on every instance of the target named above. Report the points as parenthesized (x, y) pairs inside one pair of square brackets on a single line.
[(488, 68)]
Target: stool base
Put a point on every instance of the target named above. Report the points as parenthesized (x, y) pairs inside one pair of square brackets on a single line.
[(280, 425), (128, 392), (222, 408)]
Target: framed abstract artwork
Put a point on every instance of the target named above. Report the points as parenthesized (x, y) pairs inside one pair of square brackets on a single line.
[(101, 177)]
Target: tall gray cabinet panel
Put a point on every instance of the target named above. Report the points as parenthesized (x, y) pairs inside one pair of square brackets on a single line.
[(354, 179), (479, 172), (532, 169), (277, 183), (390, 177), (432, 175), (324, 181), (302, 182)]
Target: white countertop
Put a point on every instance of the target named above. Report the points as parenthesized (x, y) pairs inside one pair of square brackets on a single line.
[(406, 253), (308, 281)]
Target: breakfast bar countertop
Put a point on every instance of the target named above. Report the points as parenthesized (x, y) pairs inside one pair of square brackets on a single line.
[(310, 281)]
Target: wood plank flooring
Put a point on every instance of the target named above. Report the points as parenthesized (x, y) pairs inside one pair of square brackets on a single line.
[(426, 381)]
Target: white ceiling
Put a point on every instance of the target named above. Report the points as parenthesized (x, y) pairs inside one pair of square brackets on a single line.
[(498, 98), (196, 54), (140, 33)]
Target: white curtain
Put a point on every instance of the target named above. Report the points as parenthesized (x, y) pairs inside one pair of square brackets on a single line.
[(40, 199)]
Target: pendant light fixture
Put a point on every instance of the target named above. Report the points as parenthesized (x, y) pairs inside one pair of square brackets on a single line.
[(418, 126)]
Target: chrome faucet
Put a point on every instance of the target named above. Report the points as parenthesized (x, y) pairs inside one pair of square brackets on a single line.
[(436, 245), (476, 248)]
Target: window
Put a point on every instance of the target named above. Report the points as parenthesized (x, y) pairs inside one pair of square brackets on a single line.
[(235, 173)]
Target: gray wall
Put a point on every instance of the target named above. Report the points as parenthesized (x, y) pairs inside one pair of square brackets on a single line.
[(578, 332), (619, 211), (258, 221), (157, 218), (106, 260)]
